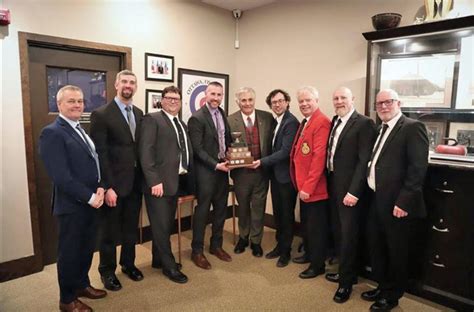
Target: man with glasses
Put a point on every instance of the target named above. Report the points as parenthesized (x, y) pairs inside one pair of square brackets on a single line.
[(210, 137), (166, 159), (278, 164), (350, 142), (114, 129), (395, 174)]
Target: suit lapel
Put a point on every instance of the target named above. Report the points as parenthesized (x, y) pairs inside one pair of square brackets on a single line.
[(348, 126), (171, 127), (210, 122), (262, 124), (282, 124), (392, 134), (67, 127), (118, 116), (239, 122)]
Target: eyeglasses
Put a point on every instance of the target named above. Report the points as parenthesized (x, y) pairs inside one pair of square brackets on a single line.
[(280, 101), (387, 103), (171, 99)]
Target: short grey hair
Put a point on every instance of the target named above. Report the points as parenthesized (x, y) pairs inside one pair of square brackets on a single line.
[(310, 89), (60, 94), (244, 90), (125, 72), (393, 94)]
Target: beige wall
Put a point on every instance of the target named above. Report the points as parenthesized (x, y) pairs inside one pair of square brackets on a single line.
[(198, 36)]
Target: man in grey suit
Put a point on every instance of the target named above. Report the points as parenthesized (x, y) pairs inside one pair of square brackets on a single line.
[(251, 185), (210, 137), (166, 159), (348, 152), (278, 163)]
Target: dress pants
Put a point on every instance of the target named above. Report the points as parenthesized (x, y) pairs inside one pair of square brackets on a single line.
[(76, 244), (283, 202), (215, 191), (119, 225), (251, 187), (389, 243), (345, 229), (316, 228)]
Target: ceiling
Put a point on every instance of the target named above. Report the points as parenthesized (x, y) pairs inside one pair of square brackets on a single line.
[(243, 5)]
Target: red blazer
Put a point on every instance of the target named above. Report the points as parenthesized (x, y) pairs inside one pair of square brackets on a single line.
[(308, 157)]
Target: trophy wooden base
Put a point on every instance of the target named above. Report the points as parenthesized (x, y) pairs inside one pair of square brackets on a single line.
[(239, 166)]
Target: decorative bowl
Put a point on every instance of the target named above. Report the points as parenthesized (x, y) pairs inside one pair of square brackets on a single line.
[(386, 20)]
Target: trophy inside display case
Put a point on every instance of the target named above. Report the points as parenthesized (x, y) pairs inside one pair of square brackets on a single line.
[(238, 153)]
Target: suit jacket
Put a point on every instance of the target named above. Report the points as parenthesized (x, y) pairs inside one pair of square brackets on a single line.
[(401, 167), (159, 154), (117, 151), (352, 153), (266, 124), (308, 158), (279, 160), (205, 141), (70, 165)]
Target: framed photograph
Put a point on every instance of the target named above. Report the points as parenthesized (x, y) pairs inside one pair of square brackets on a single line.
[(153, 100), (193, 84), (421, 81), (463, 132), (159, 67), (436, 132)]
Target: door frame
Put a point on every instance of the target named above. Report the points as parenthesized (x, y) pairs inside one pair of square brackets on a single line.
[(31, 264)]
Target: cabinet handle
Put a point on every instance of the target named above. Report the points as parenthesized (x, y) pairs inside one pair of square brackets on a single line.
[(436, 264), (444, 191), (446, 230)]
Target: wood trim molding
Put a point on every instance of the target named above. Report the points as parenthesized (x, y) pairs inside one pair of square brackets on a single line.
[(28, 265)]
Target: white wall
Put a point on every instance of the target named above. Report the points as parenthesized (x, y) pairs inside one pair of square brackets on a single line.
[(198, 36)]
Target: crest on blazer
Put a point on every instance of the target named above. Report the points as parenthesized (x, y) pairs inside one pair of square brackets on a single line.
[(305, 148)]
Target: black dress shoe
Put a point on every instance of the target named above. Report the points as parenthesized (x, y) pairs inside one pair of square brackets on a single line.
[(160, 266), (283, 260), (342, 294), (175, 275), (257, 250), (383, 305), (111, 282), (334, 277), (311, 272), (301, 259), (134, 273), (241, 244), (275, 253), (371, 295)]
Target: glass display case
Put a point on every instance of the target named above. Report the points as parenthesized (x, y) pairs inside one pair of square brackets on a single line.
[(431, 66)]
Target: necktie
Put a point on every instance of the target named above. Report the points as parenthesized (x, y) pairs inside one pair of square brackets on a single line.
[(249, 122), (182, 145), (220, 136), (300, 129), (377, 146), (131, 121), (331, 141), (91, 149)]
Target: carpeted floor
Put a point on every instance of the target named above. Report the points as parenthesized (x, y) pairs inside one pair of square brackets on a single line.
[(245, 284)]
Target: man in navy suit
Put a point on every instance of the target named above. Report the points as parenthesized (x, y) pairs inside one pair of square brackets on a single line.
[(71, 162), (278, 163), (396, 172)]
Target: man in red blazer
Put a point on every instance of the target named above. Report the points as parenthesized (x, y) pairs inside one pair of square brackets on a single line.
[(307, 165)]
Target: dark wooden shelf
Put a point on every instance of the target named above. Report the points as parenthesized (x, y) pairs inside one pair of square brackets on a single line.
[(444, 25)]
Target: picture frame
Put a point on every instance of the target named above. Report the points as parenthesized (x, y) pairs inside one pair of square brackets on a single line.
[(437, 9), (193, 84), (422, 81), (159, 67), (463, 132), (153, 100), (436, 132)]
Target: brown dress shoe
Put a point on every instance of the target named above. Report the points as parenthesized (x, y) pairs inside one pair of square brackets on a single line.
[(91, 293), (221, 254), (74, 306), (201, 261)]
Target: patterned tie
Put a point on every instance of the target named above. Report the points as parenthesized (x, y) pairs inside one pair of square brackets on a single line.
[(331, 142), (249, 122), (131, 121), (182, 145), (91, 149), (220, 136), (377, 146)]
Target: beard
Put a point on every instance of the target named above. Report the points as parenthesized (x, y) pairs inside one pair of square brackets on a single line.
[(126, 94)]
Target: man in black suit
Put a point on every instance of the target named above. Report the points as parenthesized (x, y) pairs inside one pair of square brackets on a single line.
[(71, 161), (114, 131), (349, 147), (166, 159), (278, 163), (251, 185), (210, 137), (396, 173)]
